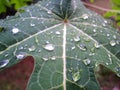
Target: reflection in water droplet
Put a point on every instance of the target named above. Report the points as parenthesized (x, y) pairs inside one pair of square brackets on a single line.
[(82, 47), (57, 32), (32, 48), (77, 38), (3, 63), (15, 30), (21, 55), (85, 16), (87, 61), (112, 43), (49, 47), (76, 76)]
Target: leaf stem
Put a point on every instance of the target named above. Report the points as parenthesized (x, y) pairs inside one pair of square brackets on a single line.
[(101, 8)]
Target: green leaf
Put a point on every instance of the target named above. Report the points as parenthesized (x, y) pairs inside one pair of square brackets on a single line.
[(67, 42)]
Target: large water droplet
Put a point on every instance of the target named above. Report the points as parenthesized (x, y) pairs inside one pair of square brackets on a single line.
[(85, 16), (77, 38), (112, 43), (87, 61), (49, 47), (15, 30), (3, 63), (32, 48), (82, 47), (76, 76), (21, 55)]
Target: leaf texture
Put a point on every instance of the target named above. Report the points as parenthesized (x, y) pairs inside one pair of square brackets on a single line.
[(67, 42)]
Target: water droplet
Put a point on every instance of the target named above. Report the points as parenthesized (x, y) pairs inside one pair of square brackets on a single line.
[(32, 48), (15, 30), (20, 48), (82, 47), (108, 35), (21, 55), (76, 76), (57, 32), (94, 30), (6, 55), (53, 58), (3, 63), (49, 12), (112, 43), (85, 16), (107, 63), (32, 24), (45, 59), (97, 45), (105, 21), (114, 36), (73, 48), (49, 47), (77, 39), (87, 61)]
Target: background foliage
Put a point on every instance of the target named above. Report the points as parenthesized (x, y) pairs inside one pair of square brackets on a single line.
[(4, 4)]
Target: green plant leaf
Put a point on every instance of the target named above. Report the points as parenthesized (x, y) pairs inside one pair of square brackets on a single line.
[(67, 42)]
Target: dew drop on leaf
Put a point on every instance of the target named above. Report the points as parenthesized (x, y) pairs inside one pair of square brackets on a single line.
[(85, 16), (53, 58), (77, 39), (49, 47), (114, 36), (45, 59), (72, 48), (82, 47), (94, 30), (21, 55), (49, 12), (97, 45), (32, 48), (32, 25), (57, 32), (112, 43), (3, 63), (15, 30), (76, 76), (87, 61)]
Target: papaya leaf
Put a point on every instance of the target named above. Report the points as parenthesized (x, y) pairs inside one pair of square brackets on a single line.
[(67, 42)]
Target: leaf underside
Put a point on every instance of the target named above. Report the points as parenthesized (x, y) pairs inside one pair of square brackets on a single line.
[(67, 42)]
